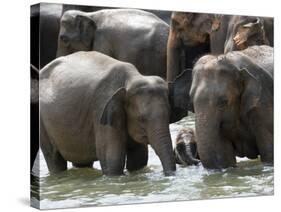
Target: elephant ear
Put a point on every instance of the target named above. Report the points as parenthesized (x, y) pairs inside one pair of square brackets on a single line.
[(86, 27), (179, 95), (251, 91), (114, 111)]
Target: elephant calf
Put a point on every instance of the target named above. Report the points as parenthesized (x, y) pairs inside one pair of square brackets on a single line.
[(102, 109), (186, 148)]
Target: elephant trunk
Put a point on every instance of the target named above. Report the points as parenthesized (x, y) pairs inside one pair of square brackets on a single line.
[(186, 153), (160, 140), (215, 152)]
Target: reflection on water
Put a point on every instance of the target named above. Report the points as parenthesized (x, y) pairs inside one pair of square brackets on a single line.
[(85, 187)]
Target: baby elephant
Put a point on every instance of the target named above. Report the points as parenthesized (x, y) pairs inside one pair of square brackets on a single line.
[(186, 148)]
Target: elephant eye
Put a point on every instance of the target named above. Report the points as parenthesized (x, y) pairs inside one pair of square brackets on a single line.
[(222, 102)]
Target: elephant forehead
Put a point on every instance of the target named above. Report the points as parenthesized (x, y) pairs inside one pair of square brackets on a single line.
[(211, 87), (147, 84), (207, 70)]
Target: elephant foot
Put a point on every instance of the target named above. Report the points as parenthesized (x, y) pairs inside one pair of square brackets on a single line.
[(58, 164), (83, 165)]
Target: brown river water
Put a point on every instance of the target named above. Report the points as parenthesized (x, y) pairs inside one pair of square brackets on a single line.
[(87, 187)]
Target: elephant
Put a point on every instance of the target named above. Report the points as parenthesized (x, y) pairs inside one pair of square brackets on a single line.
[(45, 24), (162, 14), (245, 31), (232, 96), (187, 30), (222, 33), (128, 35), (34, 114), (186, 148), (47, 16), (103, 109)]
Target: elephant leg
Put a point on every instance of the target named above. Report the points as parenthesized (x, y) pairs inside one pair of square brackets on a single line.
[(265, 145), (83, 165), (261, 126), (137, 156), (54, 160), (111, 152)]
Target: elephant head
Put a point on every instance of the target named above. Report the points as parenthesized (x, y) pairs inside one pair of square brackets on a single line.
[(76, 33), (246, 31), (222, 93), (188, 30), (194, 28), (144, 106)]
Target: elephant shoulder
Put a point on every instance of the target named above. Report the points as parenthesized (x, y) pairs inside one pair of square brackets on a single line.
[(50, 67), (121, 69)]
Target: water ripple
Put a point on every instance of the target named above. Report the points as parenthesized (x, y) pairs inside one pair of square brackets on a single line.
[(87, 187)]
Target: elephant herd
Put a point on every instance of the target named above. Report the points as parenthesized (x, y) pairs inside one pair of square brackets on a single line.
[(117, 78)]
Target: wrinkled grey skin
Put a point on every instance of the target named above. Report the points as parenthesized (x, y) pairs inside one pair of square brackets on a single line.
[(129, 35), (233, 101), (102, 109), (186, 148)]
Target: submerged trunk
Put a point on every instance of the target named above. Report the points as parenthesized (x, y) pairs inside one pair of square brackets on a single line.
[(215, 152), (160, 140)]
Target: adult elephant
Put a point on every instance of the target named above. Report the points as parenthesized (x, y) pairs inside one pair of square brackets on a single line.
[(187, 30), (162, 14), (129, 35), (232, 96), (245, 31), (103, 109), (222, 33)]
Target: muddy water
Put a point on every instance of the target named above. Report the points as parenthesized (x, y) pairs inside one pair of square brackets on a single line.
[(87, 187)]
